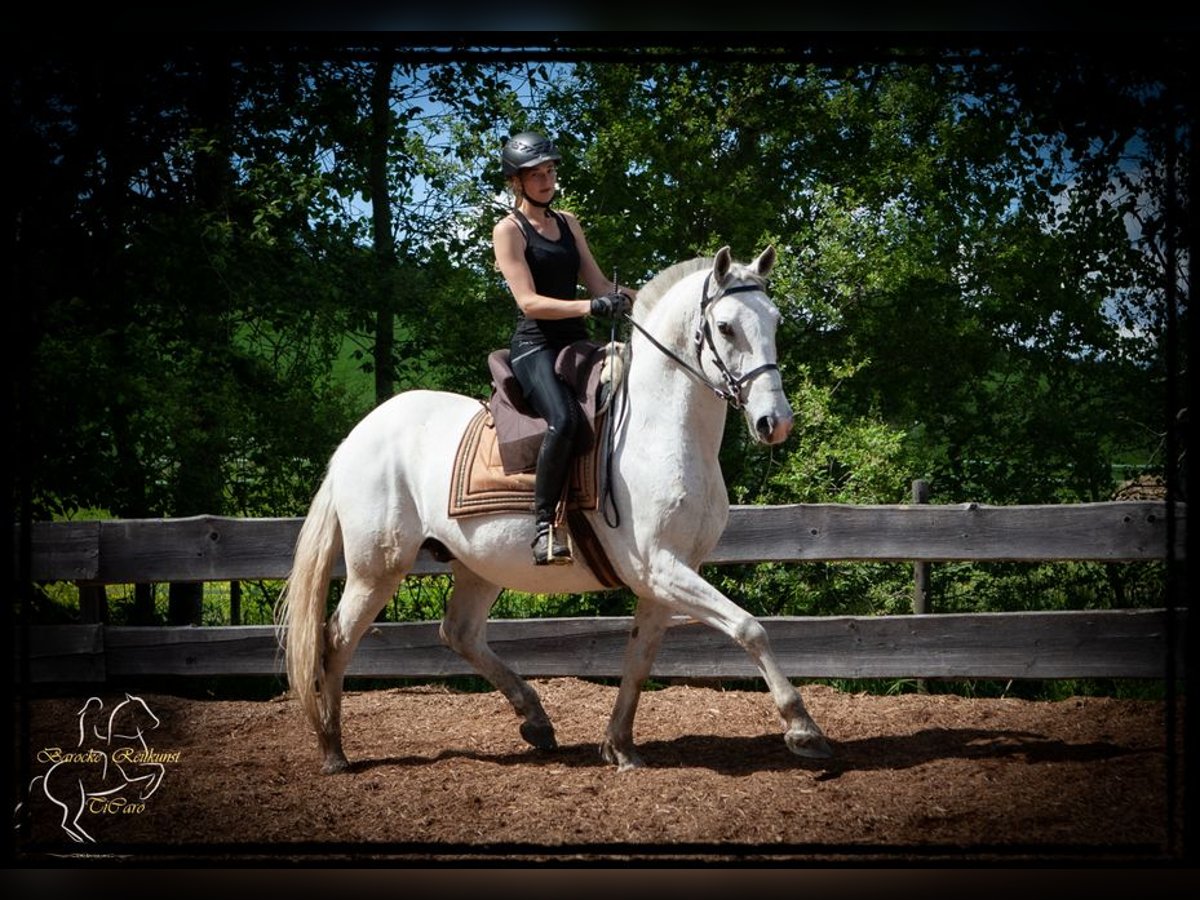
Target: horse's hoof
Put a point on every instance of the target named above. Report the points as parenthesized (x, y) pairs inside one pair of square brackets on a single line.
[(624, 760), (539, 735), (809, 744), (334, 765)]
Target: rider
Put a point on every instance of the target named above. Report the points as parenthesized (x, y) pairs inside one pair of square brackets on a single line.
[(543, 255)]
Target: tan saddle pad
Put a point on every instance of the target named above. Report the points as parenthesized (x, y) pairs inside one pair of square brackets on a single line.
[(480, 486)]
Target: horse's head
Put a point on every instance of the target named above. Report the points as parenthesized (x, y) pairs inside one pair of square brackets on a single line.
[(736, 343), (131, 718)]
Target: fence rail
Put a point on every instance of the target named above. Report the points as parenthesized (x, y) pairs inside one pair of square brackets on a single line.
[(1110, 643), (1092, 644), (215, 548)]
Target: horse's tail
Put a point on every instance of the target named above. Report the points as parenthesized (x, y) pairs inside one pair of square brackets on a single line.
[(300, 611)]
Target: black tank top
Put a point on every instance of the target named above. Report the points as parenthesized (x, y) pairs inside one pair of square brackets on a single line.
[(554, 266)]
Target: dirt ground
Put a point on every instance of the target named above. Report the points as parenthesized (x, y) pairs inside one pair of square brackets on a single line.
[(443, 777)]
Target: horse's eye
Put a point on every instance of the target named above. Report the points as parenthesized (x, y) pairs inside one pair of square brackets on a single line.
[(725, 328)]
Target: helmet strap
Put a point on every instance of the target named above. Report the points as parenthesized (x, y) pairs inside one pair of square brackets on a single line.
[(521, 195), (539, 204)]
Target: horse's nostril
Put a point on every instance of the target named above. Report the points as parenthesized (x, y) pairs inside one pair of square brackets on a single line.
[(773, 429)]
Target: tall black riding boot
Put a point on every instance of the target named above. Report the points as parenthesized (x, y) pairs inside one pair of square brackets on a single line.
[(550, 544)]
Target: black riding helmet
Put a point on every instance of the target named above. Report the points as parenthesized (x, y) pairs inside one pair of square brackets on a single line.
[(525, 150)]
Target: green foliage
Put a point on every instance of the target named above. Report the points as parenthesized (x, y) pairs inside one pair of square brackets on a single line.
[(515, 605), (817, 589), (1013, 587), (961, 248)]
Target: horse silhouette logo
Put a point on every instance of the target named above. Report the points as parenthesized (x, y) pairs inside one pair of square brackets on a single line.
[(112, 768)]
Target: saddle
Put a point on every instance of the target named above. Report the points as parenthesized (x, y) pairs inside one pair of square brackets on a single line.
[(519, 430), (496, 460)]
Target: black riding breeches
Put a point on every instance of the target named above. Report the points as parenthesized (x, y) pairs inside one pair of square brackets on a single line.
[(551, 399)]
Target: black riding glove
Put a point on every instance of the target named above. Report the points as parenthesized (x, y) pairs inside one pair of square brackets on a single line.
[(613, 303)]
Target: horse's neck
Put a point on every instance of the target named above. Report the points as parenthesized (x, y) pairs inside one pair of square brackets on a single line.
[(672, 406)]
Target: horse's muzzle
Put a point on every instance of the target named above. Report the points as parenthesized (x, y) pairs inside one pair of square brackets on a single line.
[(773, 429)]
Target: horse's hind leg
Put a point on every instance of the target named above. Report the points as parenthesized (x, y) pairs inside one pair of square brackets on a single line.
[(463, 630), (363, 598)]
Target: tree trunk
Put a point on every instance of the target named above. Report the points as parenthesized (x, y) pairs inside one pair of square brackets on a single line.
[(381, 227), (199, 482)]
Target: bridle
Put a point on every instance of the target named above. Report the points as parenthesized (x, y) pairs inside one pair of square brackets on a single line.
[(731, 390)]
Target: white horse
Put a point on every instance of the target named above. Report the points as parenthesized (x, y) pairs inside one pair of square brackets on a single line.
[(704, 337)]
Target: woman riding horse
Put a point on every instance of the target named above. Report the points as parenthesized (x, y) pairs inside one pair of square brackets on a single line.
[(703, 341), (543, 256)]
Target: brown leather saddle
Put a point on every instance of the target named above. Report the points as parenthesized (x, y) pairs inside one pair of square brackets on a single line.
[(496, 460), (519, 430)]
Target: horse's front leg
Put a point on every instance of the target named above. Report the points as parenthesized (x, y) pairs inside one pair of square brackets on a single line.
[(649, 624), (149, 782), (463, 630), (683, 588)]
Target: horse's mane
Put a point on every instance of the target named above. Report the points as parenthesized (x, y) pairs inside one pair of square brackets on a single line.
[(657, 286), (649, 294)]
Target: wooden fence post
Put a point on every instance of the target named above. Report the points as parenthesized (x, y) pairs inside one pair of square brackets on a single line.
[(143, 605), (93, 604), (185, 603), (920, 495)]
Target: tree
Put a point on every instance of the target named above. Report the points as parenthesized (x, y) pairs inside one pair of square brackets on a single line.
[(960, 247), (968, 274)]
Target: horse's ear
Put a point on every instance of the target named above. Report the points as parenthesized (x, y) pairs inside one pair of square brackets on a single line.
[(721, 264), (765, 262)]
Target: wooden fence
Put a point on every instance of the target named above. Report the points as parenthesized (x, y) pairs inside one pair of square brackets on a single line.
[(1101, 643)]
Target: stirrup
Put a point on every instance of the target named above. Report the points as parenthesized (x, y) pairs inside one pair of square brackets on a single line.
[(551, 546)]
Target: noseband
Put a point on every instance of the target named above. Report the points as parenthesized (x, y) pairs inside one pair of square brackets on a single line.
[(731, 391)]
